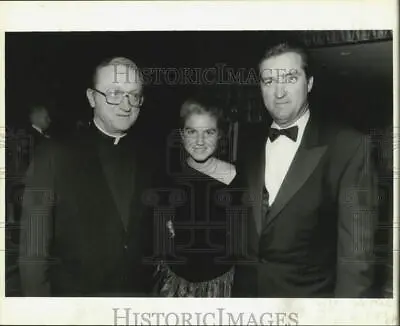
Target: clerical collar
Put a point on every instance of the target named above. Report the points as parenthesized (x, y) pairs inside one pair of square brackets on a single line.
[(116, 138)]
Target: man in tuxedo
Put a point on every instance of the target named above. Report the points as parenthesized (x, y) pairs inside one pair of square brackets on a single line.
[(82, 232), (33, 135), (313, 191)]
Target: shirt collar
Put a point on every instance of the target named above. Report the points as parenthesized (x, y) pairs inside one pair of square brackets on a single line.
[(300, 123), (116, 138), (37, 129)]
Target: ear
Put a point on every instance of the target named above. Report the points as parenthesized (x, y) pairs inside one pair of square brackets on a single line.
[(310, 84), (90, 97)]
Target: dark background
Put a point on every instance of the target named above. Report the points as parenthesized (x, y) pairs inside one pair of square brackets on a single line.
[(353, 83)]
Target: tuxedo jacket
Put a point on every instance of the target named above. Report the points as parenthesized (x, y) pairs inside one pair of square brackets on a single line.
[(76, 238), (316, 239), (36, 136), (27, 143)]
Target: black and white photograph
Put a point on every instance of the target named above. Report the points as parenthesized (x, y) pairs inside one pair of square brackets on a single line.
[(224, 164)]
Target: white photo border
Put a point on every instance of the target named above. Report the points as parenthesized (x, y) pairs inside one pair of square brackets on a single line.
[(202, 15)]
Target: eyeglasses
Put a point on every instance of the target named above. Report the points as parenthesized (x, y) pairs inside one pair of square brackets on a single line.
[(115, 97)]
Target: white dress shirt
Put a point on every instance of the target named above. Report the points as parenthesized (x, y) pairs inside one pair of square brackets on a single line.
[(37, 129), (40, 131), (280, 154)]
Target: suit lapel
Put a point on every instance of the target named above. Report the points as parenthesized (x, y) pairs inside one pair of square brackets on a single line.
[(130, 176), (304, 163), (255, 176), (135, 194), (138, 180)]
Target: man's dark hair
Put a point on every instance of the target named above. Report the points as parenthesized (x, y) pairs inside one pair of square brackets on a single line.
[(291, 47)]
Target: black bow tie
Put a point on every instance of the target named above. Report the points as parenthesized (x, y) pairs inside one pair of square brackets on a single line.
[(289, 132)]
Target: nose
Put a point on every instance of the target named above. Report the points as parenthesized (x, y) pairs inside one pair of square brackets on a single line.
[(280, 90), (125, 105), (200, 139)]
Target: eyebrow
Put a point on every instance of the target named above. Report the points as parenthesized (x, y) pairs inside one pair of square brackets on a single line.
[(134, 91), (205, 129), (294, 72)]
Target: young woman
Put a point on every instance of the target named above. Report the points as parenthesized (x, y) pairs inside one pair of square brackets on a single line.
[(200, 223)]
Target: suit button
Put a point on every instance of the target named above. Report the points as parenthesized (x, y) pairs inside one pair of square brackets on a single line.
[(125, 247)]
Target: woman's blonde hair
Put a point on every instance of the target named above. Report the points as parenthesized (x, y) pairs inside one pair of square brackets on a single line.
[(203, 105)]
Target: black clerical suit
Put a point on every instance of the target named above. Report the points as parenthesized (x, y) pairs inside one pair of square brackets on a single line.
[(315, 239), (82, 231)]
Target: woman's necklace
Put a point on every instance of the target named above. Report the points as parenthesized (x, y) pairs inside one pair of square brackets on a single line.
[(209, 167)]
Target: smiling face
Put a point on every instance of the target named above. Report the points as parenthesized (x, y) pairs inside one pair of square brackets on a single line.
[(284, 87), (111, 79), (200, 136)]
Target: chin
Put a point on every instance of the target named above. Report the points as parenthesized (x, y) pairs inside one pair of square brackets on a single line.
[(124, 126), (200, 158), (281, 118)]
